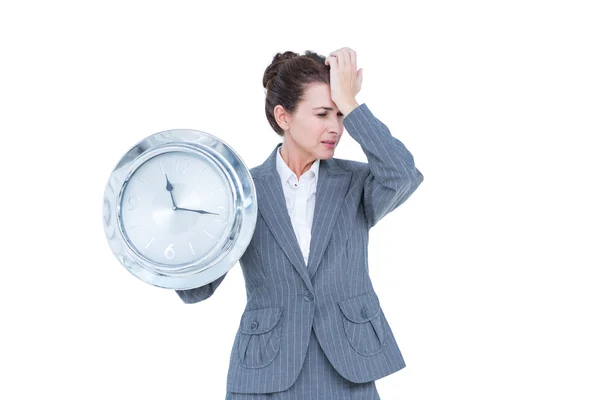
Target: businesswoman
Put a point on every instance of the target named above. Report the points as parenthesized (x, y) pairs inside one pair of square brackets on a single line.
[(313, 327)]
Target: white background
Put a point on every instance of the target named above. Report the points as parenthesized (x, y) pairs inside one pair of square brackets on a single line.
[(488, 274)]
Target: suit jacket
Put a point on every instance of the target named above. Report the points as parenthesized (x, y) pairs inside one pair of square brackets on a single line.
[(333, 294)]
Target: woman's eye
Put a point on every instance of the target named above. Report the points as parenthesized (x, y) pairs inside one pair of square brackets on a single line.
[(321, 115)]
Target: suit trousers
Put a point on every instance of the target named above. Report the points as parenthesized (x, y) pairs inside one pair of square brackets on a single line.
[(318, 380)]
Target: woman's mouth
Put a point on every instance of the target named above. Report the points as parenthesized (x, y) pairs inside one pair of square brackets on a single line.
[(330, 144)]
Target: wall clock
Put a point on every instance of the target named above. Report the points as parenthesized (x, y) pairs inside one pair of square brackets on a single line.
[(179, 209)]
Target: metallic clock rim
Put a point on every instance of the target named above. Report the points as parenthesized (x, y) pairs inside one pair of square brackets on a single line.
[(245, 209)]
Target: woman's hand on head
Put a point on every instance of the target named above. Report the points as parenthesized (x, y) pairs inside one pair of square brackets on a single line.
[(345, 80)]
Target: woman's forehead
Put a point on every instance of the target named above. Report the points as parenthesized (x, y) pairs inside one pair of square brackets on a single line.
[(318, 96)]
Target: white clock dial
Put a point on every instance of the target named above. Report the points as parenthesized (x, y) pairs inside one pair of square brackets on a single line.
[(175, 208)]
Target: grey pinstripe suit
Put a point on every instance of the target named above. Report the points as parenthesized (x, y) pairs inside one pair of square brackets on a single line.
[(333, 294)]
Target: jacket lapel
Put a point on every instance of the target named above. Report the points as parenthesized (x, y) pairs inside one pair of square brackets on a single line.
[(271, 205), (331, 187)]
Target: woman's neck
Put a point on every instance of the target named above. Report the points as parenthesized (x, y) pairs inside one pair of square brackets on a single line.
[(296, 159)]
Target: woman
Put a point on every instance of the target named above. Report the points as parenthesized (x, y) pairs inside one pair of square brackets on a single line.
[(313, 327)]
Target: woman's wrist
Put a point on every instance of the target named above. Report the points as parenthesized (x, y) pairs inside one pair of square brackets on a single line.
[(347, 106)]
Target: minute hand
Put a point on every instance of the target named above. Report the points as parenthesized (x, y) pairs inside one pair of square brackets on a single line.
[(198, 211)]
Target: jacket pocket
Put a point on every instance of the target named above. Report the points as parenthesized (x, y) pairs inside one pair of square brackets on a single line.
[(363, 323), (260, 335)]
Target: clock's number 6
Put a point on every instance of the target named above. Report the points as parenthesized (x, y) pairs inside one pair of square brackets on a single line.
[(169, 252)]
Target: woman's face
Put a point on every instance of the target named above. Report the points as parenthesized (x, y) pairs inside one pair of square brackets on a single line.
[(316, 120)]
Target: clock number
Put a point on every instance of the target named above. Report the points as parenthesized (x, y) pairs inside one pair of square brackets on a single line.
[(169, 252), (132, 201), (186, 163), (150, 242)]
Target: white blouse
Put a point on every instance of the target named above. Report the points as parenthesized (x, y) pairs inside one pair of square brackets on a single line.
[(300, 198)]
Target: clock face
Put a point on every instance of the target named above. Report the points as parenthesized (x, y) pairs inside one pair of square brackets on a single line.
[(175, 208)]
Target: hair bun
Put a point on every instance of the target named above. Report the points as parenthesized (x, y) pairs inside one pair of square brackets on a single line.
[(288, 55), (278, 60)]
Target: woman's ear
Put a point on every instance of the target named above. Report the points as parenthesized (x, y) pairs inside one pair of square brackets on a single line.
[(282, 117)]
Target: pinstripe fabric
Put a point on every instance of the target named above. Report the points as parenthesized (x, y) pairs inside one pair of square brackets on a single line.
[(331, 299), (318, 380)]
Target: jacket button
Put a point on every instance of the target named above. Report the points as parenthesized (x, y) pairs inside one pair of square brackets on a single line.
[(364, 312), (308, 295), (254, 325)]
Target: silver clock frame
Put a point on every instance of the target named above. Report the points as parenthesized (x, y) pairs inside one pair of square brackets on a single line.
[(241, 224)]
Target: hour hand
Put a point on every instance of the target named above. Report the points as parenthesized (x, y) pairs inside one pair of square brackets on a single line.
[(198, 211), (170, 189)]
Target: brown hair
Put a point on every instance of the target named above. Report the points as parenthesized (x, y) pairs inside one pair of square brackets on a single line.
[(286, 79)]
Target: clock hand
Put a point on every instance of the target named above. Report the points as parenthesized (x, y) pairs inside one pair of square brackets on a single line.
[(170, 189), (198, 211)]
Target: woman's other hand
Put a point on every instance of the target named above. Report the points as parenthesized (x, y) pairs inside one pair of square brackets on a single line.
[(345, 80)]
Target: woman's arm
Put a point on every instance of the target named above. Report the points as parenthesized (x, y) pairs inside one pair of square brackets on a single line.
[(201, 293), (392, 175)]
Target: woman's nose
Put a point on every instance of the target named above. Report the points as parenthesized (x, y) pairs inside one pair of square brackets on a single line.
[(336, 127)]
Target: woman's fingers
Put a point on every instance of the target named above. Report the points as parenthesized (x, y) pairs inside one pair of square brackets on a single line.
[(345, 57), (352, 54), (341, 57), (345, 80), (332, 61)]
